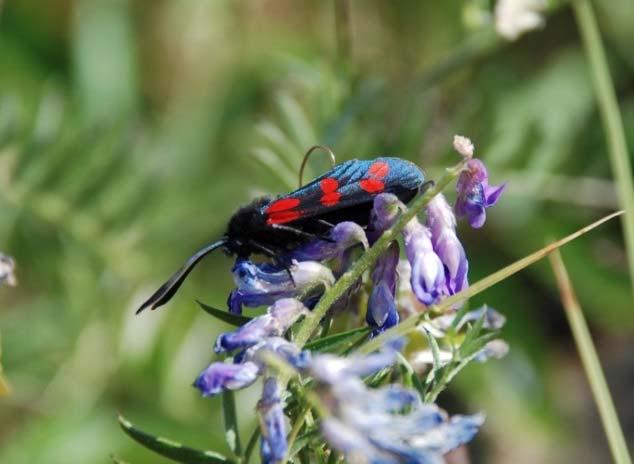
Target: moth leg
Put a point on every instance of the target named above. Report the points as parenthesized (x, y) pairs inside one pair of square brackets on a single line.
[(323, 222), (264, 250), (287, 268), (276, 258), (300, 232)]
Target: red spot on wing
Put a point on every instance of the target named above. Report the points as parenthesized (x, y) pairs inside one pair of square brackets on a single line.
[(371, 185), (282, 205), (282, 217), (379, 170), (282, 211), (330, 198), (329, 186)]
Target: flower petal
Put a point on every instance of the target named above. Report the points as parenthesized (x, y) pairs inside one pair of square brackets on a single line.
[(221, 376)]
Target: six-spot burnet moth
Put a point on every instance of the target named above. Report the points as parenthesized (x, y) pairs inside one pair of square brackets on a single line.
[(273, 226)]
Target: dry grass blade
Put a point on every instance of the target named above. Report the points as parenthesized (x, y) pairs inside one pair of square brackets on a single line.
[(410, 324), (590, 361)]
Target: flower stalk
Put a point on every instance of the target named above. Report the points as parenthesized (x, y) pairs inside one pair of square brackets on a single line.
[(611, 119), (368, 259), (591, 363)]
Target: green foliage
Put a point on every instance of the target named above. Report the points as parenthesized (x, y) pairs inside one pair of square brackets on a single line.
[(171, 449), (129, 134)]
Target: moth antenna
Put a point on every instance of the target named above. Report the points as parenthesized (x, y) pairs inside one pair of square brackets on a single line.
[(333, 159), (169, 288)]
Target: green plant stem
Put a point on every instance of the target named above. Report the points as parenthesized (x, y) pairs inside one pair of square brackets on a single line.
[(410, 324), (251, 444), (297, 426), (611, 119), (591, 363), (335, 292), (232, 434)]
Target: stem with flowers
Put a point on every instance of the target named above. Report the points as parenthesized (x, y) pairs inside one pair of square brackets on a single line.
[(447, 304), (348, 279)]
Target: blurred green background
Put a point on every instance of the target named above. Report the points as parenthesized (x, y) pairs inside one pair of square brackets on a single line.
[(130, 131)]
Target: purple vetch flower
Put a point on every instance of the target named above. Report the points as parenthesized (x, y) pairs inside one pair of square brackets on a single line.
[(343, 236), (385, 211), (278, 318), (427, 271), (492, 320), (221, 376), (248, 365), (442, 224), (279, 346), (263, 284), (406, 300), (384, 425), (331, 369), (353, 444), (381, 313), (495, 349), (273, 445), (475, 194)]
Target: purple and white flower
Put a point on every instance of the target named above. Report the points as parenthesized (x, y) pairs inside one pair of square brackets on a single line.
[(385, 425), (382, 313), (273, 444), (248, 365), (427, 272), (475, 194), (442, 224), (342, 237), (278, 318), (220, 376), (264, 284)]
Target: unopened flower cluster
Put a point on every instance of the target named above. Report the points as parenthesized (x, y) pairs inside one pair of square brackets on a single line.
[(389, 424)]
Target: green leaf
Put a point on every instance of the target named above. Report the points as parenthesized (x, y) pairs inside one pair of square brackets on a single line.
[(412, 379), (231, 423), (336, 341), (251, 444), (225, 316), (302, 441), (466, 347), (435, 353), (458, 317), (171, 449)]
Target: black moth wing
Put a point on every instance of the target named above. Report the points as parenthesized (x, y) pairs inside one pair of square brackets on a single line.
[(346, 192)]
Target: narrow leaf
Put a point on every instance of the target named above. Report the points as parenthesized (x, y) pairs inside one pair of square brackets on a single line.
[(225, 316), (412, 376), (458, 317), (435, 353), (467, 345), (339, 340), (171, 449), (253, 439), (231, 422), (302, 441)]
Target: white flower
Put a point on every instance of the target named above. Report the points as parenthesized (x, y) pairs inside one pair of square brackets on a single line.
[(515, 17), (7, 269)]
